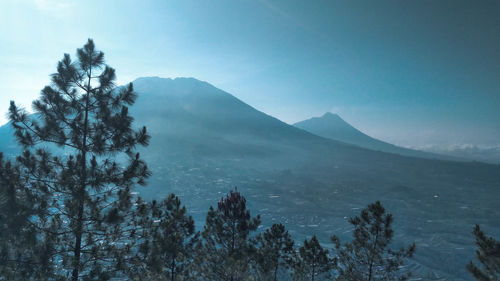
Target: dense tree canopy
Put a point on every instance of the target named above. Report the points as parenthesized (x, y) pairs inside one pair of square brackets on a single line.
[(24, 253)]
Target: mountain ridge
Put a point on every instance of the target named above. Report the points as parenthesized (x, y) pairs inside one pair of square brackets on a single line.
[(332, 126)]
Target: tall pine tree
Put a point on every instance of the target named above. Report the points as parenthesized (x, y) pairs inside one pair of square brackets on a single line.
[(275, 252), (368, 256), (488, 254), (166, 239), (313, 262), (80, 161), (226, 252)]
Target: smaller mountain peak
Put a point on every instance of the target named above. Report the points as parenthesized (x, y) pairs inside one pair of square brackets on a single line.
[(332, 117), (330, 114)]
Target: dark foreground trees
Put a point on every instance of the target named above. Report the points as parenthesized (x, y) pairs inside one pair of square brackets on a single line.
[(165, 238), (163, 245), (313, 262), (275, 254), (80, 164), (226, 252), (24, 253), (368, 256), (488, 254)]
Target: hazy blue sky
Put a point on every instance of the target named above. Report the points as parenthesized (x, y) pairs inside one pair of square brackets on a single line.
[(409, 72)]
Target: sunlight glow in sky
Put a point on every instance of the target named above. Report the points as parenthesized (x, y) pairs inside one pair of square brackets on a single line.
[(408, 72)]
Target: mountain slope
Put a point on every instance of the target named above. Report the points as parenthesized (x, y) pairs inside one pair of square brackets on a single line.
[(188, 106), (332, 126), (205, 141), (7, 140)]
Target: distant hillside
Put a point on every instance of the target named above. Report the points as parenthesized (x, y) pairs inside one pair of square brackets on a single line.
[(332, 126), (206, 141), (7, 140)]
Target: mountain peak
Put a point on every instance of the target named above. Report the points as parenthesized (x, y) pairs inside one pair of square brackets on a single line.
[(180, 86), (328, 125), (165, 79), (156, 80), (332, 117), (327, 114)]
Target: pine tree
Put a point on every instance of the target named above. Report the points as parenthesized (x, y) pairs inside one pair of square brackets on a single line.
[(80, 162), (488, 255), (225, 252), (23, 253), (275, 251), (368, 257), (313, 262), (166, 242)]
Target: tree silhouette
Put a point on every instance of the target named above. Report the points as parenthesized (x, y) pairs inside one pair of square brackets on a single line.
[(488, 254), (80, 161), (24, 253), (166, 240), (368, 257), (313, 261), (226, 251), (275, 251)]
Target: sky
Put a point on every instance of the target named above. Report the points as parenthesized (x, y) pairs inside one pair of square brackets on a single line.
[(414, 73)]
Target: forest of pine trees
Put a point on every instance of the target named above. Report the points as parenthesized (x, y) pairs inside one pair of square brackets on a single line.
[(72, 215)]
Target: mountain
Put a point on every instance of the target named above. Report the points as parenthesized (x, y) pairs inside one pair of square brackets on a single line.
[(206, 141), (7, 140), (332, 126), (209, 120)]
